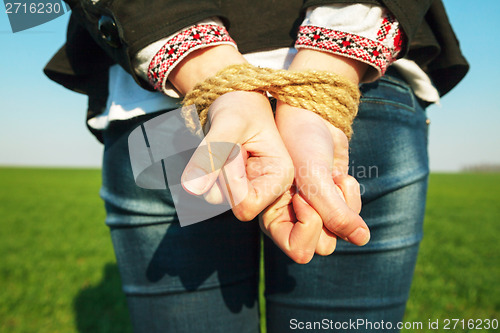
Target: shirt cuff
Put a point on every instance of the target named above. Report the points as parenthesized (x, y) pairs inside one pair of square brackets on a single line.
[(368, 33), (157, 60)]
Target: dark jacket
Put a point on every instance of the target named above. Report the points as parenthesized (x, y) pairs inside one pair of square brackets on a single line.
[(105, 32)]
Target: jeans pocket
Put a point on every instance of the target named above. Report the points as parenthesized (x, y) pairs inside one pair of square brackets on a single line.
[(391, 98), (389, 90)]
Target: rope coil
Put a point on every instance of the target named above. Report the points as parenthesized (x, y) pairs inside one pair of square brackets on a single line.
[(331, 96)]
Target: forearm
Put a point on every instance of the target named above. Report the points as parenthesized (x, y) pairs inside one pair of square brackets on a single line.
[(201, 64), (351, 69)]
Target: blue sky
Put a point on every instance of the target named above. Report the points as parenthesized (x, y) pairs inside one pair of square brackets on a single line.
[(42, 124)]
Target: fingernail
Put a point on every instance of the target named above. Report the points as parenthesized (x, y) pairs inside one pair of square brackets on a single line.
[(195, 181), (360, 236)]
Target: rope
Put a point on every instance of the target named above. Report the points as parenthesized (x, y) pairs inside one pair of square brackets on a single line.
[(331, 96)]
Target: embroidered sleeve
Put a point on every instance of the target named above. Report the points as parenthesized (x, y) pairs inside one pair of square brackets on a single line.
[(169, 51), (364, 32)]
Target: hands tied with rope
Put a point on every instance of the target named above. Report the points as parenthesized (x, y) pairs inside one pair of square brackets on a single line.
[(292, 165)]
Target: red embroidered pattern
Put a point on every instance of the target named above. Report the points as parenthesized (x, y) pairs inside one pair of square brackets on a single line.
[(379, 53), (390, 34), (346, 44), (180, 46)]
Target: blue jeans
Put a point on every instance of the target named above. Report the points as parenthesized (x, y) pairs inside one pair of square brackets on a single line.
[(204, 277)]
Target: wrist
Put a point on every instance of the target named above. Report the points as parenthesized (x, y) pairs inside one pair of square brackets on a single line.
[(337, 97), (244, 105), (307, 59), (201, 64), (286, 117)]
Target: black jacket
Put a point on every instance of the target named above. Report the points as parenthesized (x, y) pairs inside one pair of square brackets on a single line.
[(105, 32)]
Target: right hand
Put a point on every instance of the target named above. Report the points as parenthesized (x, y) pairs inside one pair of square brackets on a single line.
[(328, 201)]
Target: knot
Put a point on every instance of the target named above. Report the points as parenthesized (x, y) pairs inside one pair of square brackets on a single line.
[(331, 96)]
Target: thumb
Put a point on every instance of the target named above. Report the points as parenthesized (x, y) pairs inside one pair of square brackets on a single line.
[(204, 167)]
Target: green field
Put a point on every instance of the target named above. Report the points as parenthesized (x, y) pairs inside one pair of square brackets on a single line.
[(58, 272)]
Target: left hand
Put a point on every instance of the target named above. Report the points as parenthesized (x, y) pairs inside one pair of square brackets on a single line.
[(262, 169)]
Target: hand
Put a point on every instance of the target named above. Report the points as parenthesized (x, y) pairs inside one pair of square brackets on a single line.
[(296, 228), (263, 170), (328, 202)]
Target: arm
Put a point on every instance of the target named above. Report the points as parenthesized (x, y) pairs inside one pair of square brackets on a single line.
[(263, 170), (326, 202), (255, 132), (325, 192)]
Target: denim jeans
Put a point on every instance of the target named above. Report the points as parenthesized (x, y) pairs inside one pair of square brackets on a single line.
[(205, 277)]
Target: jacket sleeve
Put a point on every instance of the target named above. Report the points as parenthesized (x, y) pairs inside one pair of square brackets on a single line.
[(122, 28), (409, 13)]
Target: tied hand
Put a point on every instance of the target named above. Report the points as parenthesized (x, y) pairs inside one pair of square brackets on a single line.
[(260, 168), (326, 201)]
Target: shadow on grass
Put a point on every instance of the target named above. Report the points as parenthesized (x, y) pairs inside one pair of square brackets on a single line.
[(103, 308)]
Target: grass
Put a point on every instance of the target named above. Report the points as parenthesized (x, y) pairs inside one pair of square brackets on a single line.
[(458, 269), (58, 271)]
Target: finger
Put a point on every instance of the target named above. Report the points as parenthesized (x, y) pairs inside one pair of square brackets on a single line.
[(268, 177), (221, 191), (203, 168), (320, 191), (215, 195), (350, 191), (322, 195), (295, 233), (233, 178), (306, 232), (327, 242), (280, 210), (301, 132)]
